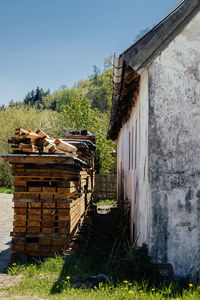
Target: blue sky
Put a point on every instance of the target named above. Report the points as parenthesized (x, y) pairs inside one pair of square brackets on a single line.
[(49, 43)]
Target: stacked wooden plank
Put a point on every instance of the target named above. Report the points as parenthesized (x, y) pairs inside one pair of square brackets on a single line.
[(52, 193), (38, 142)]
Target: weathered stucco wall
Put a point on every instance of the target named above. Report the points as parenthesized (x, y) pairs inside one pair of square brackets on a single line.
[(132, 160), (174, 153)]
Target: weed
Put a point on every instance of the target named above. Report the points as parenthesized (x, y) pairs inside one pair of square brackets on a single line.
[(16, 269), (6, 190), (106, 202), (43, 285), (129, 270)]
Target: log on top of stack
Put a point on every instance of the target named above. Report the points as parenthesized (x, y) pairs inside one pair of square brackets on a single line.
[(82, 135), (38, 142), (84, 142)]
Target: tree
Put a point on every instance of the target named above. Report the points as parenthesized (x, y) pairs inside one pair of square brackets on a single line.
[(108, 62), (29, 118), (79, 115), (56, 100), (98, 89), (35, 98), (78, 112), (84, 106)]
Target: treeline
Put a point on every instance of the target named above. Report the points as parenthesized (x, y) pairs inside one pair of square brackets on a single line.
[(84, 106)]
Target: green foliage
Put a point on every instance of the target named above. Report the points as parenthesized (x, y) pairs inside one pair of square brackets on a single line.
[(43, 281), (66, 277), (41, 287), (97, 160), (78, 115), (26, 117), (98, 89), (85, 106), (35, 98), (13, 117), (52, 123), (6, 178), (6, 190), (59, 98), (106, 202), (16, 269), (137, 265)]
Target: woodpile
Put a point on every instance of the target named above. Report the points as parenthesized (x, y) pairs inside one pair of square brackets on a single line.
[(38, 142), (53, 188)]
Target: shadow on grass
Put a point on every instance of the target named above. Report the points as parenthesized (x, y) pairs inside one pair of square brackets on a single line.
[(4, 259), (91, 260), (108, 252)]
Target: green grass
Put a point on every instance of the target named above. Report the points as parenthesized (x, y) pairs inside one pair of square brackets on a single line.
[(106, 202), (44, 280), (131, 273), (6, 190)]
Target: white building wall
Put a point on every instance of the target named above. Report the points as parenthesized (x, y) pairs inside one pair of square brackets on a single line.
[(174, 153), (132, 145)]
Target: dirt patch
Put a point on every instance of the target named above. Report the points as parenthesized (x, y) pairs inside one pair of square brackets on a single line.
[(8, 280)]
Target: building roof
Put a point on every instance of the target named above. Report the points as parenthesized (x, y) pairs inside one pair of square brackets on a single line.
[(135, 60)]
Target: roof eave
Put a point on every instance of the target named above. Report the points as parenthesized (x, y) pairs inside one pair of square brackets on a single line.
[(140, 55), (125, 82)]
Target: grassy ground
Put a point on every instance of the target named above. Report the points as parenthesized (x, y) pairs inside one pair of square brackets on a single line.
[(44, 281), (107, 252), (6, 190)]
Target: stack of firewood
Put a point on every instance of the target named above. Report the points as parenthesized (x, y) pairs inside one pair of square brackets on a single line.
[(39, 142)]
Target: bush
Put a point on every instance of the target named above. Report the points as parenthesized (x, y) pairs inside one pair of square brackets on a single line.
[(136, 265), (6, 178)]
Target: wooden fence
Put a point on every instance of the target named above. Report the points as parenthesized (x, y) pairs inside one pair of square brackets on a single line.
[(105, 187)]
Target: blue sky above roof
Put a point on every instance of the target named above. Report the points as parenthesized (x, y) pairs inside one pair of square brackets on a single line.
[(49, 43)]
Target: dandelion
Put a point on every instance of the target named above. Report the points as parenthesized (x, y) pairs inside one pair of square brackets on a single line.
[(130, 283), (141, 291), (57, 286), (41, 274), (125, 281), (14, 264), (126, 289), (130, 292), (190, 285), (68, 277), (153, 289), (178, 298)]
